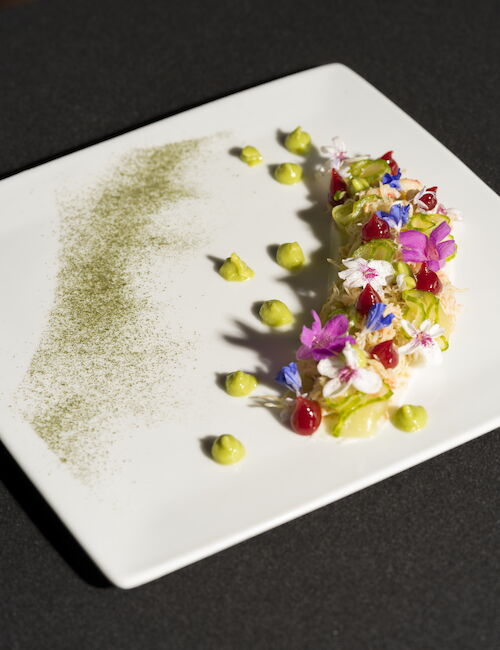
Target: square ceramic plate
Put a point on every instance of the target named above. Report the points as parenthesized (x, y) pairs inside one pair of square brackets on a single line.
[(115, 327)]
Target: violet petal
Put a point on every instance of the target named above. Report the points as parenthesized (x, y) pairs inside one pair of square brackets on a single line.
[(440, 232), (446, 248)]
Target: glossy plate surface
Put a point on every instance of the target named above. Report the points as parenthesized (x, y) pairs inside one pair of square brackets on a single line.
[(140, 387)]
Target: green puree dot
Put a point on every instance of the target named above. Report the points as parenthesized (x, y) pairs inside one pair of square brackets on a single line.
[(298, 141), (239, 383), (251, 156), (234, 269), (290, 256), (275, 313), (288, 173), (410, 418), (227, 450)]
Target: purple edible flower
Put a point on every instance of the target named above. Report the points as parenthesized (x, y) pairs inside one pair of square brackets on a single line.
[(289, 376), (397, 217), (376, 319), (320, 342), (417, 247), (392, 181)]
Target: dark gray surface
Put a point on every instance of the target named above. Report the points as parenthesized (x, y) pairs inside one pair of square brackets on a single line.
[(411, 563)]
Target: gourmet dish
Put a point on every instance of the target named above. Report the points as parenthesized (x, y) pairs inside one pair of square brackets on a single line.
[(391, 307)]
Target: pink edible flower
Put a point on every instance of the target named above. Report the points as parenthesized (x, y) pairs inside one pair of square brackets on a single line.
[(320, 342), (417, 247)]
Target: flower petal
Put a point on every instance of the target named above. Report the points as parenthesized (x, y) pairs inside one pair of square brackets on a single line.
[(366, 381), (304, 352), (440, 232), (289, 376), (409, 328), (330, 367), (336, 326), (350, 356), (435, 331), (410, 347), (434, 265), (446, 248), (354, 262), (383, 268), (334, 387), (410, 255), (432, 354), (413, 239)]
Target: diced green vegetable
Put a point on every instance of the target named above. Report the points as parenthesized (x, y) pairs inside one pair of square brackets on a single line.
[(342, 214), (358, 414), (428, 302), (377, 249), (358, 185), (402, 268), (370, 170), (426, 222)]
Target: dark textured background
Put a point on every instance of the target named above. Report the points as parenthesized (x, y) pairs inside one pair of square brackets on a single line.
[(411, 563)]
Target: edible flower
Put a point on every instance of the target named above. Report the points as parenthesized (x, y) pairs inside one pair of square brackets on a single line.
[(289, 377), (392, 180), (337, 156), (422, 341), (322, 341), (375, 319), (417, 247), (360, 272), (347, 372), (397, 217), (453, 213)]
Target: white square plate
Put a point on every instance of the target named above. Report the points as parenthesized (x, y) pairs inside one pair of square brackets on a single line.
[(150, 501)]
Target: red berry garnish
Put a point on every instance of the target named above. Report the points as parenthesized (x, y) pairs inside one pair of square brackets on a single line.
[(306, 416), (386, 353), (375, 228), (392, 163), (428, 280), (337, 185), (429, 198), (366, 299)]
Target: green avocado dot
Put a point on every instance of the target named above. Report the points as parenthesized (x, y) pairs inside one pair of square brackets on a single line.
[(290, 256), (288, 173), (227, 450), (234, 269), (275, 313), (239, 383), (298, 141), (251, 156), (410, 418)]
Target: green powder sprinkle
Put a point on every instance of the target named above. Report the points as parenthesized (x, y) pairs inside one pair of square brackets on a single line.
[(106, 358)]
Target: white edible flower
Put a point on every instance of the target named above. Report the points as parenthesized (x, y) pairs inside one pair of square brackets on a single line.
[(337, 156), (422, 341), (360, 272), (345, 373)]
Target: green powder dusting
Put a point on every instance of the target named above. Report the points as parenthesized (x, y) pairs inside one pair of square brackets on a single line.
[(106, 360)]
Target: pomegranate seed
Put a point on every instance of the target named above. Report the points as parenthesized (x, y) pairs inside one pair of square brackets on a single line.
[(375, 228), (392, 163), (386, 353), (428, 280), (366, 299), (337, 184), (306, 416), (429, 198)]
